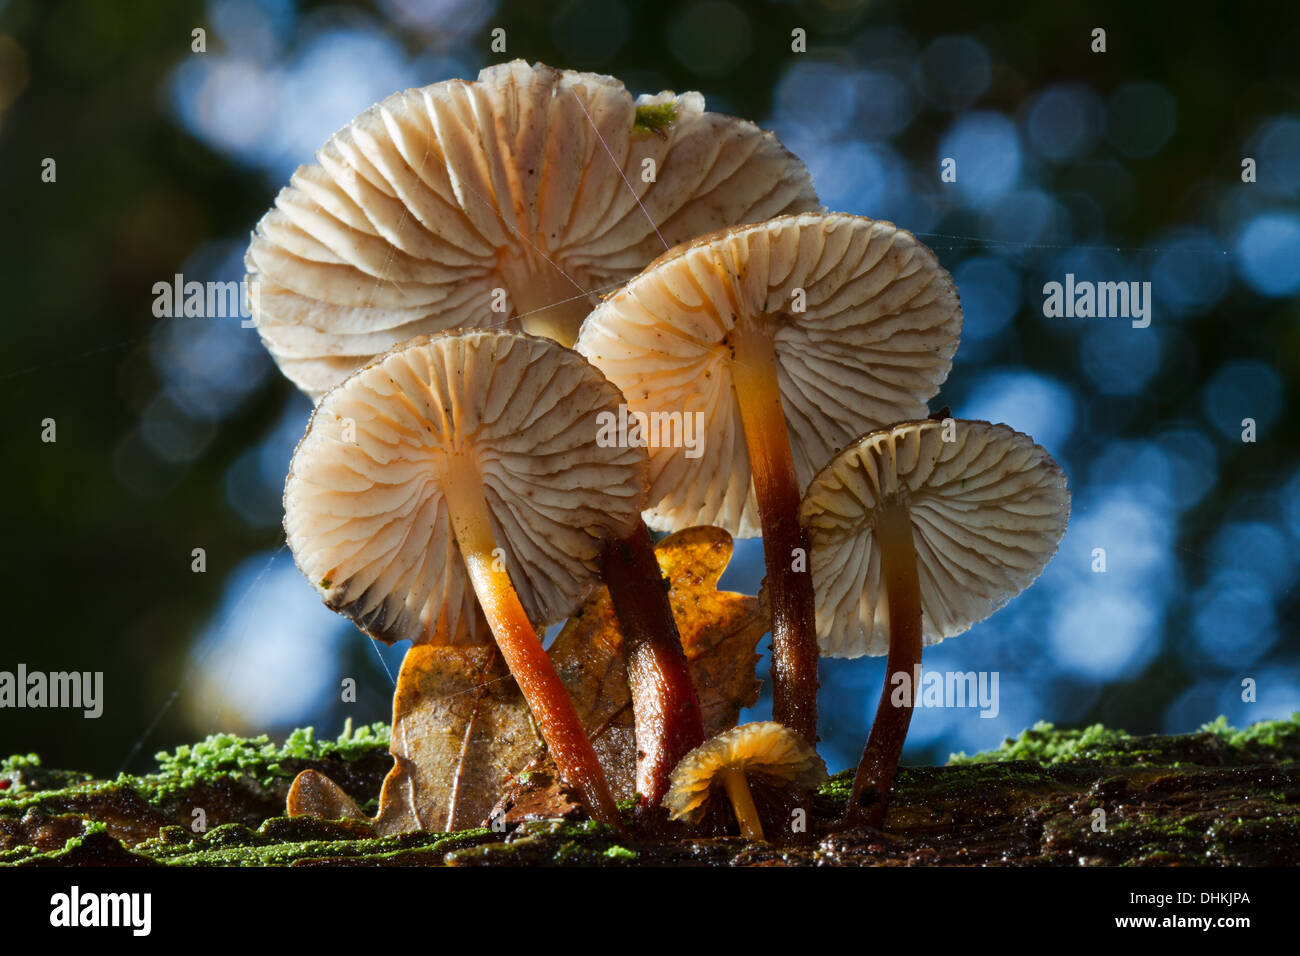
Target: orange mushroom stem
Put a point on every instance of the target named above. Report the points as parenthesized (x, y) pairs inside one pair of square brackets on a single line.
[(876, 769), (665, 707), (519, 644), (742, 804), (785, 545)]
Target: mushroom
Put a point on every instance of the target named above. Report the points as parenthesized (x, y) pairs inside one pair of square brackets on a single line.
[(788, 338), (918, 531), (465, 466), (767, 751), (514, 199), (528, 191)]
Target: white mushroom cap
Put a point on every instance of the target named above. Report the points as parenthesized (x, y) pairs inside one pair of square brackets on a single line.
[(367, 520), (764, 749), (528, 180), (988, 511), (875, 342)]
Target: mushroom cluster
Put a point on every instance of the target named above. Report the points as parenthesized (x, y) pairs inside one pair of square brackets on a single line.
[(511, 202), (464, 284), (792, 337), (806, 340)]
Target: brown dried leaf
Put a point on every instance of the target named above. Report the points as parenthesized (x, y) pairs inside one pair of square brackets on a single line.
[(315, 795), (461, 728), (719, 631), (537, 793)]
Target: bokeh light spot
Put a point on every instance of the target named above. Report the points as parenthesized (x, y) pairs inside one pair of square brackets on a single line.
[(987, 150), (1268, 253)]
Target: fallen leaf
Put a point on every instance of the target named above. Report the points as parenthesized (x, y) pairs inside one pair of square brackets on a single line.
[(313, 794), (535, 793), (461, 728)]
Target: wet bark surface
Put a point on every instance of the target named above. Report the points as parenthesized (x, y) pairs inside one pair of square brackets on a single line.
[(1050, 798)]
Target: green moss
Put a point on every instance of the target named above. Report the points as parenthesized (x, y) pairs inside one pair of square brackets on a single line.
[(548, 843), (16, 762), (93, 841), (1044, 744), (226, 754), (25, 774), (654, 117), (832, 795), (936, 786), (1216, 743), (281, 841), (18, 854), (18, 772), (253, 849), (1282, 736), (838, 785), (241, 775)]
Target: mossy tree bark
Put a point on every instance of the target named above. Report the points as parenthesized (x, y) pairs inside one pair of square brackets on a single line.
[(1218, 797)]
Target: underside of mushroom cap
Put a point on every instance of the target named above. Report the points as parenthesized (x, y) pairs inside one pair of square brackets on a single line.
[(988, 510), (528, 180), (366, 513), (764, 749), (879, 325)]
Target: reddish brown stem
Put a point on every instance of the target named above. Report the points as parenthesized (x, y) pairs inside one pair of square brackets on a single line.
[(795, 654), (664, 703), (875, 774)]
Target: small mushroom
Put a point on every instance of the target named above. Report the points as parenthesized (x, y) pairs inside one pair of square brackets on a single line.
[(918, 531), (517, 198), (789, 338), (463, 470), (766, 751)]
